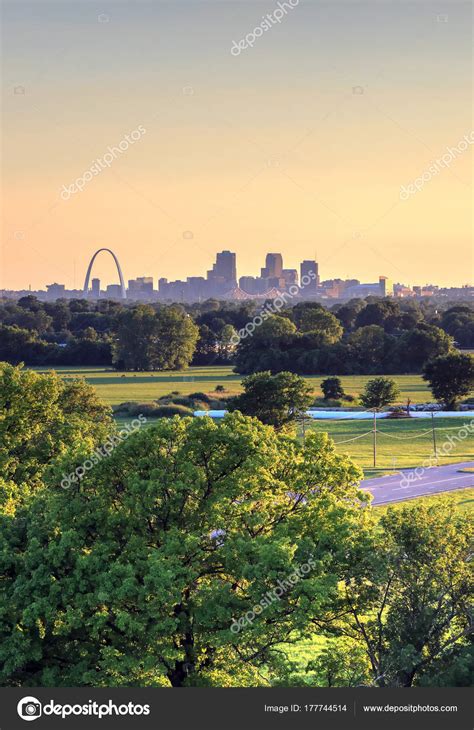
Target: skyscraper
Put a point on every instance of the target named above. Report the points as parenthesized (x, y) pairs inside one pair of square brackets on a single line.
[(224, 271), (309, 269), (95, 288), (273, 266)]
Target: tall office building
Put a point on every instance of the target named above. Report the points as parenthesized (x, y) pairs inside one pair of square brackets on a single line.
[(311, 269), (273, 266), (95, 289), (141, 287), (224, 271)]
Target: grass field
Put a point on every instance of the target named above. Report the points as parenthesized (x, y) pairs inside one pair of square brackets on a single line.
[(401, 443), (115, 387)]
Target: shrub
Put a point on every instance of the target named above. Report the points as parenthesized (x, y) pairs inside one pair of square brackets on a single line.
[(219, 389), (200, 396), (172, 410), (332, 388), (123, 407)]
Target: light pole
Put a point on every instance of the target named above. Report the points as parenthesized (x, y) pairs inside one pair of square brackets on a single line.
[(375, 437), (434, 435)]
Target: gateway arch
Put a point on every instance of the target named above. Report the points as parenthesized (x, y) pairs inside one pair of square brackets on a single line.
[(119, 271)]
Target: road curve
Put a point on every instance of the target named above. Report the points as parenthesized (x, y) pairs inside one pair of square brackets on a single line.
[(407, 483)]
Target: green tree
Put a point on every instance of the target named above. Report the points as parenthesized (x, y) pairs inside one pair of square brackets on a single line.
[(41, 417), (226, 341), (149, 340), (277, 400), (266, 345), (332, 388), (379, 392), (314, 318), (420, 344), (138, 576), (451, 377), (368, 347), (384, 313), (407, 596)]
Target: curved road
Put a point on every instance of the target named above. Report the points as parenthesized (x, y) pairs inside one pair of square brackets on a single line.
[(406, 484)]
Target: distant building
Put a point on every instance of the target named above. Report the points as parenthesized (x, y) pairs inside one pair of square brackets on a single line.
[(224, 272), (382, 288), (55, 291), (273, 266), (141, 287), (114, 291), (290, 277), (95, 289), (311, 269)]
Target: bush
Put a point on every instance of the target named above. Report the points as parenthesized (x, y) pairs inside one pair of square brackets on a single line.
[(200, 396), (349, 398), (327, 403), (172, 410), (123, 408), (397, 412), (219, 389), (190, 402), (332, 388)]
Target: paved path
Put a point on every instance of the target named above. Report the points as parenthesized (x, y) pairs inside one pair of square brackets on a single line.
[(406, 484)]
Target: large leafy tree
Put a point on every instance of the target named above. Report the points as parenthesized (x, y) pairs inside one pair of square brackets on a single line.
[(278, 400), (314, 318), (420, 344), (41, 417), (451, 377), (379, 392), (266, 345), (140, 574), (407, 595), (368, 349), (154, 340), (384, 313)]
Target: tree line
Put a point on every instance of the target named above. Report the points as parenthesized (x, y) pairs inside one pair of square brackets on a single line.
[(368, 336)]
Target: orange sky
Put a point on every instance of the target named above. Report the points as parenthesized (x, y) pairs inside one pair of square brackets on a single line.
[(267, 151)]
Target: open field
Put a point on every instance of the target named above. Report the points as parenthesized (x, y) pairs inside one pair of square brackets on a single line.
[(401, 443), (116, 387)]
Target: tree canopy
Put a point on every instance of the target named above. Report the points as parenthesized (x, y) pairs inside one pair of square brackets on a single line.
[(450, 377), (277, 400), (139, 574)]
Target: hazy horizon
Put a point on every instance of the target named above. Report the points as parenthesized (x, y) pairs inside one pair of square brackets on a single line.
[(273, 149)]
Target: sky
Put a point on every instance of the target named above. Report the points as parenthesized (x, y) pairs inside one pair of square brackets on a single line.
[(298, 144)]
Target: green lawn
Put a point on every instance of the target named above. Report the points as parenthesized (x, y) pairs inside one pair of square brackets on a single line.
[(115, 387), (407, 450), (402, 443)]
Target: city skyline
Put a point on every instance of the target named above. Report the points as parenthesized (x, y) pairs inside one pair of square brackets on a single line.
[(223, 282), (166, 147)]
